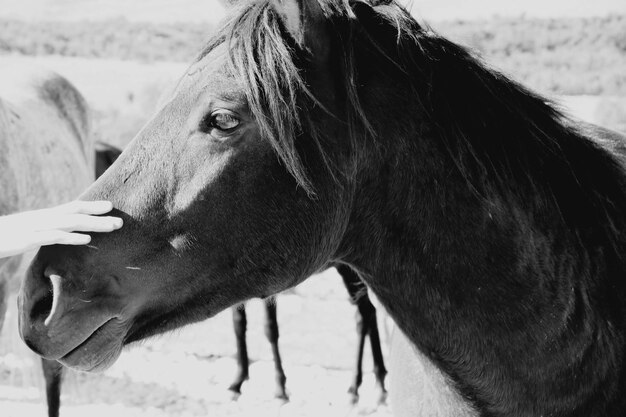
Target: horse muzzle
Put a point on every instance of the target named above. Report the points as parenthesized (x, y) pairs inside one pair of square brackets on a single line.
[(60, 320)]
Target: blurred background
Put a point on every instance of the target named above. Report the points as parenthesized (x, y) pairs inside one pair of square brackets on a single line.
[(122, 55)]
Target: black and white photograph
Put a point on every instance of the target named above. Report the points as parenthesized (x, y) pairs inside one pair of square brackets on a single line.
[(306, 208)]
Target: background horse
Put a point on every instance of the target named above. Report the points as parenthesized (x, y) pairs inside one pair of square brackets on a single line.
[(46, 158), (490, 227)]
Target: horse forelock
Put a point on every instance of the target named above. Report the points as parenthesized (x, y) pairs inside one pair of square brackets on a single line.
[(270, 64), (262, 58)]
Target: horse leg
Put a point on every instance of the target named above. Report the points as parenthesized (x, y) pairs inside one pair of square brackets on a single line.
[(365, 305), (361, 329), (271, 332), (366, 325), (355, 288), (53, 373), (240, 324)]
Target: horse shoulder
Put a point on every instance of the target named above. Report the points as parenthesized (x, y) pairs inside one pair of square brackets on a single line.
[(46, 143), (34, 89)]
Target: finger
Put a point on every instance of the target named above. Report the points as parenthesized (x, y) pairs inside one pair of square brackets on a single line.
[(75, 239), (87, 207), (86, 223), (58, 237)]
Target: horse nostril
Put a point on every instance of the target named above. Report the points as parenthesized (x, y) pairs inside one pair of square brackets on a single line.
[(42, 307)]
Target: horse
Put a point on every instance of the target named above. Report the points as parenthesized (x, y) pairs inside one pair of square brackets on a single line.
[(488, 224), (45, 159), (366, 325)]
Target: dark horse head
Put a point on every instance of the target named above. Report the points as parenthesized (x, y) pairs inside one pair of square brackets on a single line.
[(228, 193), (310, 134)]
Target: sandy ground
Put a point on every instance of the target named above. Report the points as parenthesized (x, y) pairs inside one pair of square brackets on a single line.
[(187, 372)]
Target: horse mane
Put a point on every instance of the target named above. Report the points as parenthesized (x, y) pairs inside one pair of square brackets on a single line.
[(263, 56), (499, 134), (504, 138)]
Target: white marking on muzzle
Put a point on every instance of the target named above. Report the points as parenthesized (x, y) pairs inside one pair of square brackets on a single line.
[(56, 294)]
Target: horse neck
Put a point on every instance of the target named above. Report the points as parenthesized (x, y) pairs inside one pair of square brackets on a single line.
[(458, 257), (455, 266), (472, 182), (490, 231), (418, 229)]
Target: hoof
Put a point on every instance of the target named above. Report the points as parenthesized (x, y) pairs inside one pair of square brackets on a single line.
[(281, 395), (234, 396), (235, 387), (353, 394), (382, 397)]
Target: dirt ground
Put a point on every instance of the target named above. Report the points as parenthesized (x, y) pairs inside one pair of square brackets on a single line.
[(187, 372)]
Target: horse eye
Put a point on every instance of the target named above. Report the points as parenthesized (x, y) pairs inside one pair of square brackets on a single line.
[(224, 121)]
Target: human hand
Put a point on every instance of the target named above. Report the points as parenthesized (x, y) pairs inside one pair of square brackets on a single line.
[(22, 232)]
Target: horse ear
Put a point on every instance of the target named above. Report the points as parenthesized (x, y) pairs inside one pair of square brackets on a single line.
[(305, 21)]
